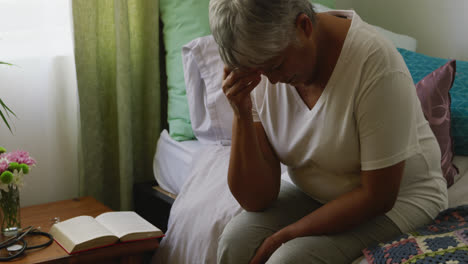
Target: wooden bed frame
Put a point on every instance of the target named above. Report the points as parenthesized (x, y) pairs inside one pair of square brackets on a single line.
[(153, 203)]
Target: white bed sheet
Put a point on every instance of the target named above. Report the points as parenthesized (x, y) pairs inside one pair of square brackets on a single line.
[(202, 209), (172, 161)]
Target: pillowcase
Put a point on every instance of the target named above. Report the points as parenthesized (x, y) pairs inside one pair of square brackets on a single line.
[(210, 111), (433, 92), (183, 20), (421, 65), (399, 40)]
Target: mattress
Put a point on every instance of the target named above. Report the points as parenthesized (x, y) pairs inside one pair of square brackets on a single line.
[(172, 161)]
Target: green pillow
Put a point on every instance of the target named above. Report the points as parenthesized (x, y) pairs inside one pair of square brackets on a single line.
[(183, 21)]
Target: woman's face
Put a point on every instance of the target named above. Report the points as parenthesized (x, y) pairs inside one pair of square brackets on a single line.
[(296, 65)]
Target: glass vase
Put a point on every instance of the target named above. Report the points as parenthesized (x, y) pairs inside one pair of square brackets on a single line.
[(10, 213)]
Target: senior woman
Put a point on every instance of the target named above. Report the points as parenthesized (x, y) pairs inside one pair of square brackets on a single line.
[(329, 97)]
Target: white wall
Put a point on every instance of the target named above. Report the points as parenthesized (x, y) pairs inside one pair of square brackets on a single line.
[(441, 27), (36, 36)]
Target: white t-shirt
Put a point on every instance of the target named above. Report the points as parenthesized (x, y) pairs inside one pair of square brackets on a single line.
[(368, 117)]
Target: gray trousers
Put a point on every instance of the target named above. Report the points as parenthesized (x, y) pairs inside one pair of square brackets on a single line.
[(245, 233)]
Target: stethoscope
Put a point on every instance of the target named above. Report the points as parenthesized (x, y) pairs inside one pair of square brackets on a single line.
[(16, 245)]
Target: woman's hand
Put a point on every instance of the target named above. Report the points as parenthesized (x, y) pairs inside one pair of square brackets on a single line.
[(269, 246), (237, 86)]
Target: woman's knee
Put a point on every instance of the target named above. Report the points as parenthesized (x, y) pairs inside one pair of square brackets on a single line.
[(311, 250), (240, 238)]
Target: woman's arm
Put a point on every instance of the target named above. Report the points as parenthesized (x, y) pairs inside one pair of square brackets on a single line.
[(254, 173), (375, 196)]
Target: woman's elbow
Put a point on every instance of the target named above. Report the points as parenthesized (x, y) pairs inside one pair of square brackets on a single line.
[(253, 208), (385, 204), (253, 203), (381, 203), (388, 207), (254, 197)]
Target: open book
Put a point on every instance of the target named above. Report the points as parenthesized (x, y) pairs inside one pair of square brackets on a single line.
[(85, 232)]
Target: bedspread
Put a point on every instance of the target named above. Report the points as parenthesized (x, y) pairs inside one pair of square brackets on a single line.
[(202, 209), (444, 241)]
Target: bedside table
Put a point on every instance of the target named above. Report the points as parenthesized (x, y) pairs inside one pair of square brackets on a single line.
[(42, 215)]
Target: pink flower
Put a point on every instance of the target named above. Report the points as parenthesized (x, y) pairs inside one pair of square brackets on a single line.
[(3, 166), (20, 157)]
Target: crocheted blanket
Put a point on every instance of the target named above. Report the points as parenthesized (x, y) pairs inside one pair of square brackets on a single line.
[(443, 241)]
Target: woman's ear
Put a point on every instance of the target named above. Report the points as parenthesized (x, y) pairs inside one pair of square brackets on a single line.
[(304, 25)]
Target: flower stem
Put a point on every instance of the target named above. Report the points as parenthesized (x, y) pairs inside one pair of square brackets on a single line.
[(9, 203)]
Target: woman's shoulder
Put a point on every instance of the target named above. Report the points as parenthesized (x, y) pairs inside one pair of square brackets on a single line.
[(377, 55)]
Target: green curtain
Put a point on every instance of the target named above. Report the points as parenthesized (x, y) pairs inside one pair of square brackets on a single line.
[(117, 65)]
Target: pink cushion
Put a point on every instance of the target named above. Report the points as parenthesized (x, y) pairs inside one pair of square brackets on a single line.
[(433, 92)]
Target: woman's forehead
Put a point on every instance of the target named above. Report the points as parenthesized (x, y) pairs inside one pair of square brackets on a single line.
[(275, 61), (253, 63)]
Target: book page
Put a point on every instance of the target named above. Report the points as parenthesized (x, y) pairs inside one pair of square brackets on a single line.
[(128, 225), (82, 228)]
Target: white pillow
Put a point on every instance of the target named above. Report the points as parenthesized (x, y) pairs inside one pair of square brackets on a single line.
[(399, 40), (210, 112)]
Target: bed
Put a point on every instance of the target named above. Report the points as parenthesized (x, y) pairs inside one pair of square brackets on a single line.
[(193, 167), (172, 161), (204, 180)]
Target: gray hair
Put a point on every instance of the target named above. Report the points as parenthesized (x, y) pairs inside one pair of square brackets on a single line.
[(251, 32)]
